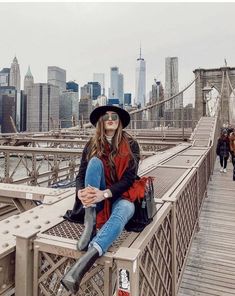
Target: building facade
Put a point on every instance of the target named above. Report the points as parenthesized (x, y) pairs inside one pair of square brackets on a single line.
[(121, 88), (68, 110), (156, 113), (43, 107), (116, 90), (140, 82), (100, 77), (28, 80), (23, 111), (85, 109), (86, 91), (56, 76), (5, 77), (15, 74), (15, 81), (113, 102), (72, 86), (127, 99), (172, 83), (85, 103), (113, 91), (102, 100), (8, 97), (27, 93), (95, 90)]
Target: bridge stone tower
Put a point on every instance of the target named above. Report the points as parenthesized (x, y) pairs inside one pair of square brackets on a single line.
[(213, 78)]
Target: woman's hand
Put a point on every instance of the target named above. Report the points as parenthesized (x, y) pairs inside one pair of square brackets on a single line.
[(86, 196), (90, 196)]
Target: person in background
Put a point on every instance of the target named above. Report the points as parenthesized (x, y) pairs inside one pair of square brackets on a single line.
[(107, 185), (223, 149), (232, 150), (230, 129)]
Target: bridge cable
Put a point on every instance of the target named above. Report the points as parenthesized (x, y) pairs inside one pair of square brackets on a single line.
[(164, 101)]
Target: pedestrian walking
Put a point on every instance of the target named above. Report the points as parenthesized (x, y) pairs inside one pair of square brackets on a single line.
[(232, 150), (223, 149)]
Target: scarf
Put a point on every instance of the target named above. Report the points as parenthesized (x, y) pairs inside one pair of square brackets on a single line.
[(121, 161)]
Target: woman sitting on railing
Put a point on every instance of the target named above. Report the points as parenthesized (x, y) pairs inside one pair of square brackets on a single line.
[(108, 169)]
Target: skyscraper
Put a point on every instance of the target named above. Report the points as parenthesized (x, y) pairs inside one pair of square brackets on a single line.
[(156, 95), (86, 91), (127, 99), (15, 81), (5, 77), (85, 104), (100, 77), (113, 91), (42, 107), (8, 95), (172, 84), (96, 90), (15, 74), (68, 108), (23, 112), (116, 84), (57, 76), (120, 88), (28, 80), (140, 82), (26, 93)]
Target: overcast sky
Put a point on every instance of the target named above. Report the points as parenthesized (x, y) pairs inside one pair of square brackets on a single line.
[(84, 38)]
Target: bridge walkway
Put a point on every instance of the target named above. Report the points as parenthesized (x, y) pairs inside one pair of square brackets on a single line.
[(210, 268)]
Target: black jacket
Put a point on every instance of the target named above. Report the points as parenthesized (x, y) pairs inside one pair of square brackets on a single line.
[(128, 178), (223, 147)]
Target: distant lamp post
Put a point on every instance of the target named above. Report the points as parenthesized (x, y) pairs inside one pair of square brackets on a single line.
[(206, 93)]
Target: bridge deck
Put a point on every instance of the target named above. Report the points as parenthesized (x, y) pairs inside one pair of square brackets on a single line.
[(210, 266)]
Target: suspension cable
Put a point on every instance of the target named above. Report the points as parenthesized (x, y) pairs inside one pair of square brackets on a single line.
[(164, 101)]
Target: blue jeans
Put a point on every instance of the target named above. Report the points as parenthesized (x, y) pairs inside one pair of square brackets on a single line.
[(121, 213)]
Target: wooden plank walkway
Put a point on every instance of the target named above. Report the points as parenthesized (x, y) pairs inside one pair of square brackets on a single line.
[(210, 268)]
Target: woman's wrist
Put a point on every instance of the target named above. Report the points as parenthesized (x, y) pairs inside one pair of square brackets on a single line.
[(107, 193)]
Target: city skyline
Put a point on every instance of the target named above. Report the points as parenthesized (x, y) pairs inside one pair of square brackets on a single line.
[(109, 34)]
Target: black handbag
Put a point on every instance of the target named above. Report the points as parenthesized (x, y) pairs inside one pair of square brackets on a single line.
[(145, 209)]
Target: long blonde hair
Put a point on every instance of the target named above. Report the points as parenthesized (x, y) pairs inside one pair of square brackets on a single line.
[(98, 142)]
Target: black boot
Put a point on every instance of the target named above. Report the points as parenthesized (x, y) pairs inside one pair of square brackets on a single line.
[(90, 229), (72, 279)]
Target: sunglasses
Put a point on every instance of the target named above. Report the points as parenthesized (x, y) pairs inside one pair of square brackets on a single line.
[(113, 117)]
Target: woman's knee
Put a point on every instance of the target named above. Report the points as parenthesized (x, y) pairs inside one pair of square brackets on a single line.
[(95, 163), (127, 207)]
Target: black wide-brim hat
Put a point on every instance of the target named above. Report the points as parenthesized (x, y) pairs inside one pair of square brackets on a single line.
[(124, 116)]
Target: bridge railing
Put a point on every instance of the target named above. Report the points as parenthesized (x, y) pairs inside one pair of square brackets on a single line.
[(38, 166), (154, 259), (44, 166)]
